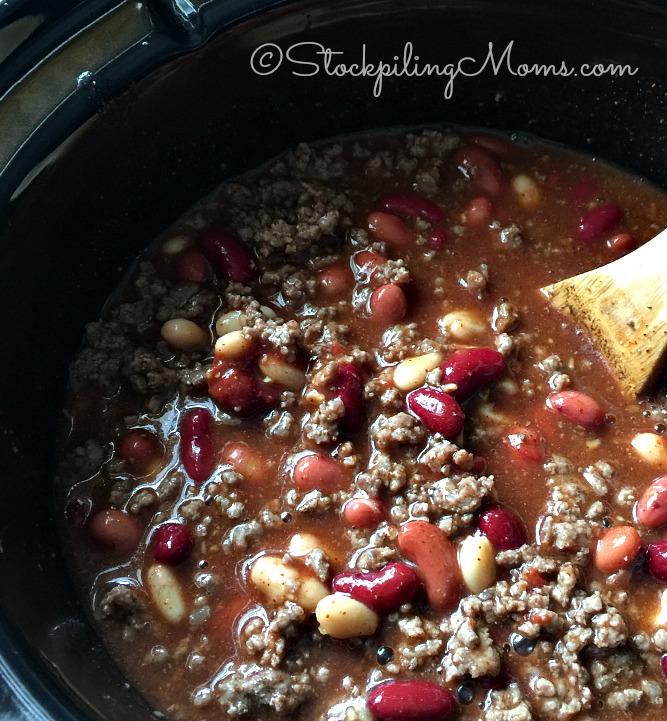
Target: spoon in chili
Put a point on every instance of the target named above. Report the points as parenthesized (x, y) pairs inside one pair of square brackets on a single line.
[(623, 308)]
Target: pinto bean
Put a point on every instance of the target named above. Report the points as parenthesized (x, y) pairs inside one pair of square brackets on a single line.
[(247, 461), (411, 701), (481, 170), (651, 510), (363, 512), (577, 407), (334, 281), (318, 472), (433, 553), (617, 549), (622, 243), (388, 304), (391, 229), (478, 212), (384, 591), (196, 446), (192, 266), (182, 334), (526, 445), (115, 530), (366, 262), (437, 410), (341, 616), (139, 449)]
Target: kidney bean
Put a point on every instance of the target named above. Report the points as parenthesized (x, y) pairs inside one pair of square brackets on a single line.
[(481, 170), (115, 530), (171, 543), (334, 281), (228, 256), (471, 369), (414, 206), (363, 512), (663, 663), (384, 591), (435, 556), (392, 230), (191, 265), (437, 238), (656, 559), (502, 528), (622, 243), (349, 388), (577, 407), (367, 262), (617, 549), (139, 449), (318, 472), (238, 390), (492, 144), (478, 212), (437, 410), (411, 701), (77, 511), (388, 304), (526, 445), (583, 192), (196, 447), (598, 222), (651, 510)]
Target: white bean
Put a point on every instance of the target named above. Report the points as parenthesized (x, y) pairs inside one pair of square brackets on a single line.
[(462, 325), (228, 322), (301, 544), (233, 345), (661, 618), (281, 372), (651, 448), (279, 582), (526, 190), (477, 560), (183, 334), (175, 245), (341, 616), (165, 590), (411, 373)]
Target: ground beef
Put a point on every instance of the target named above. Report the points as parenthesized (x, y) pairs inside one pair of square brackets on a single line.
[(507, 705), (461, 494), (387, 431), (121, 604), (505, 318)]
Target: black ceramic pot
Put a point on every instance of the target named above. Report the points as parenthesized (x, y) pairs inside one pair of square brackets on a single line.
[(116, 116)]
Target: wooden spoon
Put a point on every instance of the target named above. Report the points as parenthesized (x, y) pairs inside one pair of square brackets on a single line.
[(623, 307)]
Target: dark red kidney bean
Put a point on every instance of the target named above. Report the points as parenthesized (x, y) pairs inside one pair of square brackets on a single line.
[(367, 262), (478, 212), (583, 192), (663, 662), (115, 530), (317, 472), (388, 304), (651, 510), (384, 591), (414, 206), (227, 255), (656, 559), (577, 407), (363, 512), (411, 701), (429, 548), (527, 446), (437, 410), (481, 170), (492, 144), (622, 243), (471, 369), (350, 389), (171, 543), (437, 238), (240, 391), (191, 265), (502, 528), (77, 511), (196, 444), (138, 449), (598, 222)]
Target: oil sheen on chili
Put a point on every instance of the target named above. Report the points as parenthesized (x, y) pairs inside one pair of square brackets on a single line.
[(330, 454)]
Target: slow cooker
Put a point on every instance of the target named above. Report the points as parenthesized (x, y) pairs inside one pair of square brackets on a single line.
[(115, 116)]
